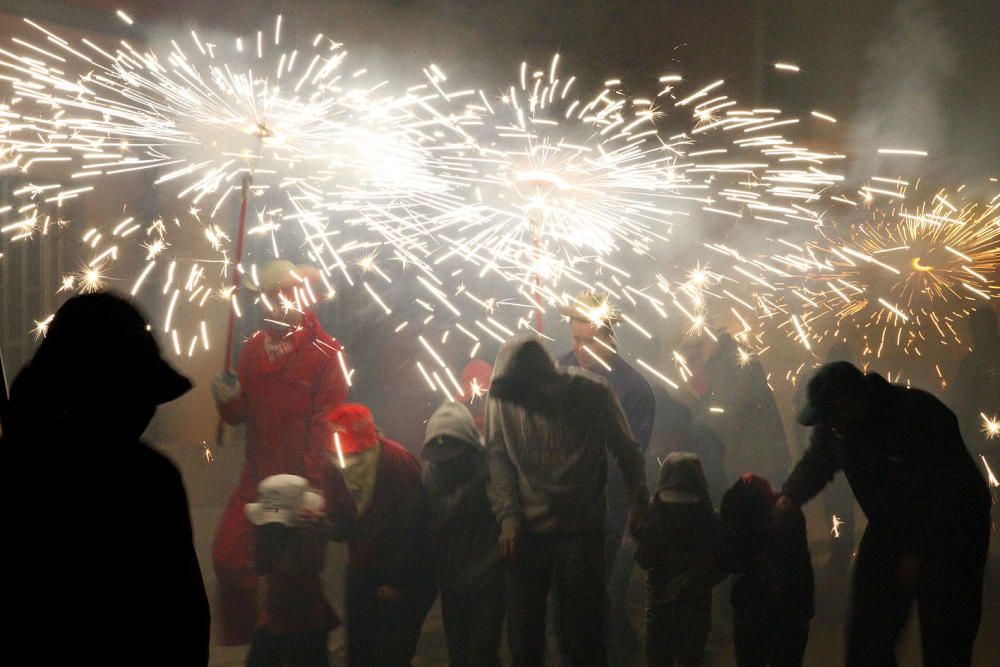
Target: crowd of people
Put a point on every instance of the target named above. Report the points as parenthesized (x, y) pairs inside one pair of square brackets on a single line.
[(528, 510)]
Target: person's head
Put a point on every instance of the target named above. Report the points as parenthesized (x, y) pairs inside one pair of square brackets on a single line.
[(279, 499), (746, 505), (983, 327), (452, 441), (682, 481), (98, 367), (837, 396), (591, 320), (352, 432), (285, 293)]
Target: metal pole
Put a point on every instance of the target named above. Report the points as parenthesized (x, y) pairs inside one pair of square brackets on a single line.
[(237, 280), (536, 241)]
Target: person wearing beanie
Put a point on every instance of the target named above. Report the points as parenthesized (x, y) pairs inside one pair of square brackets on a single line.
[(376, 503), (927, 504), (772, 596), (288, 377), (464, 534), (678, 544)]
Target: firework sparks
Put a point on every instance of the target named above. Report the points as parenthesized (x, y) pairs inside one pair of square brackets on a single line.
[(991, 426)]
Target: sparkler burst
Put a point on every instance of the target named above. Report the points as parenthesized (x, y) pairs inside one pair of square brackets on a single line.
[(477, 208), (905, 277)]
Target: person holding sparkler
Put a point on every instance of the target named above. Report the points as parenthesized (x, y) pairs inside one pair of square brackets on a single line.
[(927, 504), (592, 319), (384, 518), (290, 375), (548, 432), (112, 573)]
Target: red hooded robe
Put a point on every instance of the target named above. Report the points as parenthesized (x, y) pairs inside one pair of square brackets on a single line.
[(287, 388)]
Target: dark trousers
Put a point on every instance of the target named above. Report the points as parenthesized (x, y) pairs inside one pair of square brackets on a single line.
[(304, 649), (576, 563), (622, 642), (382, 633), (761, 643), (472, 625), (676, 633), (948, 593)]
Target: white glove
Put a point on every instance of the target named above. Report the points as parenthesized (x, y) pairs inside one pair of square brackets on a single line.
[(225, 387)]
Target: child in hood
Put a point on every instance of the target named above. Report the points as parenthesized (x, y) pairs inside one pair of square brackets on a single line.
[(464, 533), (678, 542), (772, 595)]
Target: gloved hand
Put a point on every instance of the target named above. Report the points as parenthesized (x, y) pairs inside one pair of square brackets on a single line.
[(225, 387)]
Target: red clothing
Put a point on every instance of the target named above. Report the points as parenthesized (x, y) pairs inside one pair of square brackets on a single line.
[(291, 559), (283, 400), (391, 536)]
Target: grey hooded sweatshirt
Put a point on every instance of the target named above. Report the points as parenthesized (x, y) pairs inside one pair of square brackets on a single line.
[(548, 432)]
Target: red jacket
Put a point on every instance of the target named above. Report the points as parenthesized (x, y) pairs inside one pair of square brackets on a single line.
[(391, 536), (283, 403)]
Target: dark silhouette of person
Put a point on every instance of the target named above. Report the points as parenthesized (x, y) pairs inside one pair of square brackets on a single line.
[(772, 593), (102, 562), (927, 504), (679, 545)]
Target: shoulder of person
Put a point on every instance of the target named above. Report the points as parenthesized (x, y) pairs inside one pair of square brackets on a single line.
[(581, 378), (399, 458), (156, 463)]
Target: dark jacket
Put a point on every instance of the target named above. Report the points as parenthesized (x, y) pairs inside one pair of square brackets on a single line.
[(390, 539), (548, 432), (680, 539), (463, 528), (908, 468), (774, 576), (292, 559), (637, 402)]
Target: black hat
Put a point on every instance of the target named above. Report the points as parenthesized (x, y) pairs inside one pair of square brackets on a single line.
[(105, 339), (831, 382)]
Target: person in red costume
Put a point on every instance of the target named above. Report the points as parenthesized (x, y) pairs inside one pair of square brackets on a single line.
[(288, 378), (377, 504)]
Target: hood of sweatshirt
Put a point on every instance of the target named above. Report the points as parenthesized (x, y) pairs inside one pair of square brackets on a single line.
[(451, 431), (525, 373), (682, 480)]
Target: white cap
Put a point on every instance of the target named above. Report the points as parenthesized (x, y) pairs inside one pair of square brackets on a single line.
[(280, 497)]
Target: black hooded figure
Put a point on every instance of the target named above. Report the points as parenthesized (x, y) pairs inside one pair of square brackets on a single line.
[(102, 560)]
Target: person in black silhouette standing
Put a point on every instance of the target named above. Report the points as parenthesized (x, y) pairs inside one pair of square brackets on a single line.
[(103, 565)]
